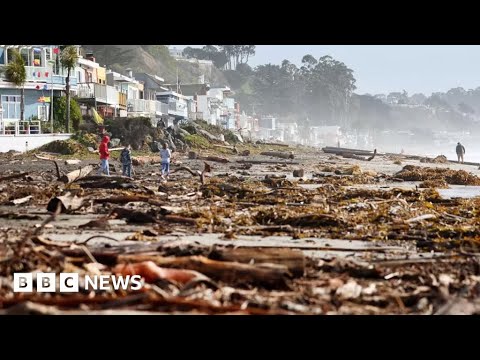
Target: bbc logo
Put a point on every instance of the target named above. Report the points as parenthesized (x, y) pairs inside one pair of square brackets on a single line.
[(70, 282), (46, 282)]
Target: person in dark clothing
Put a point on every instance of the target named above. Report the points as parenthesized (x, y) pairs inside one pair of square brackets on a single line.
[(460, 149), (126, 160)]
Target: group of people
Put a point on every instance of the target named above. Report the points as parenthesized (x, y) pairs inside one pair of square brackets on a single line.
[(126, 159)]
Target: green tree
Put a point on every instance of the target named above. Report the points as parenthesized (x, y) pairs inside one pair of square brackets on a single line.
[(60, 111), (15, 72), (68, 59)]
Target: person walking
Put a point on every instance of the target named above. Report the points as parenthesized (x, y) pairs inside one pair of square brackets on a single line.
[(165, 155), (104, 156), (126, 160), (460, 149)]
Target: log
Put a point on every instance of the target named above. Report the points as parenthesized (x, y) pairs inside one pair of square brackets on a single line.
[(72, 162), (215, 158), (109, 178), (269, 276), (123, 199), (14, 176), (294, 260), (77, 174), (268, 162), (224, 147), (339, 151), (68, 202), (21, 200), (277, 144), (279, 154)]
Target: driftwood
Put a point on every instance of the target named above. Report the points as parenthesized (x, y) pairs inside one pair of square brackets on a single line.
[(270, 276), (215, 158), (123, 199), (275, 144), (77, 174), (72, 162), (225, 147), (341, 151), (279, 154), (268, 162), (294, 260), (14, 176), (21, 200), (206, 169), (67, 203), (52, 160)]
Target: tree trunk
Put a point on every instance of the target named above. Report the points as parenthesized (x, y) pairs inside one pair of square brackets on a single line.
[(67, 89), (22, 103)]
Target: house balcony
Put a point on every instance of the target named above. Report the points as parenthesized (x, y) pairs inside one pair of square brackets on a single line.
[(176, 108), (148, 108), (43, 74), (104, 94)]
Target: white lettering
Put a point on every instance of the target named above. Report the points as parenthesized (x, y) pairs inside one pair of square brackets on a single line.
[(120, 281), (136, 282), (93, 283), (104, 282)]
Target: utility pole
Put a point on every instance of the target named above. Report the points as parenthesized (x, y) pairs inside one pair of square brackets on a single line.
[(52, 62)]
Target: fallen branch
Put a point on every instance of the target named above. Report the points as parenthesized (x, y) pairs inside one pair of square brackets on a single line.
[(123, 199), (268, 162), (54, 161), (270, 276), (14, 176), (76, 175), (278, 154), (294, 260), (206, 169)]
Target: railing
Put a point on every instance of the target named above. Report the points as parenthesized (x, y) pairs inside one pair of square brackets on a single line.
[(102, 93), (20, 128), (142, 106), (44, 74)]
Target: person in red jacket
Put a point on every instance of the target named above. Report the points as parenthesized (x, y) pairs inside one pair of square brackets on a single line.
[(104, 156)]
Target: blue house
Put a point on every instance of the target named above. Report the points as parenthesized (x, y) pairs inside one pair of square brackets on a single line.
[(45, 77)]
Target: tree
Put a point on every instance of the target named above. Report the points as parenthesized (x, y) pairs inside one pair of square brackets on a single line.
[(465, 108), (16, 73), (68, 59), (60, 111)]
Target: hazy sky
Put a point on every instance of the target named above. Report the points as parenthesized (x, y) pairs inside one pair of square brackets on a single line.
[(387, 68)]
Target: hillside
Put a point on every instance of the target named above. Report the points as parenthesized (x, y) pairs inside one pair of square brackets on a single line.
[(153, 59)]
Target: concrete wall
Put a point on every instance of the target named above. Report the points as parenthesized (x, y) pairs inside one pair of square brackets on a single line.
[(18, 143)]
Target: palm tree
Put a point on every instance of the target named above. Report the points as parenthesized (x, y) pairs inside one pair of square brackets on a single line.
[(68, 59), (15, 72)]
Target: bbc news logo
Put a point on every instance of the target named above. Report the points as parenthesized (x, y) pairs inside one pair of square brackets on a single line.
[(70, 282)]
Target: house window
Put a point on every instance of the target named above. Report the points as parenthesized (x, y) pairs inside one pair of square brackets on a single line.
[(37, 57), (25, 56), (48, 54), (11, 107), (2, 55), (43, 111)]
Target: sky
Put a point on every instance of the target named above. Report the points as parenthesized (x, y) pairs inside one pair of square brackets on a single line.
[(387, 68)]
